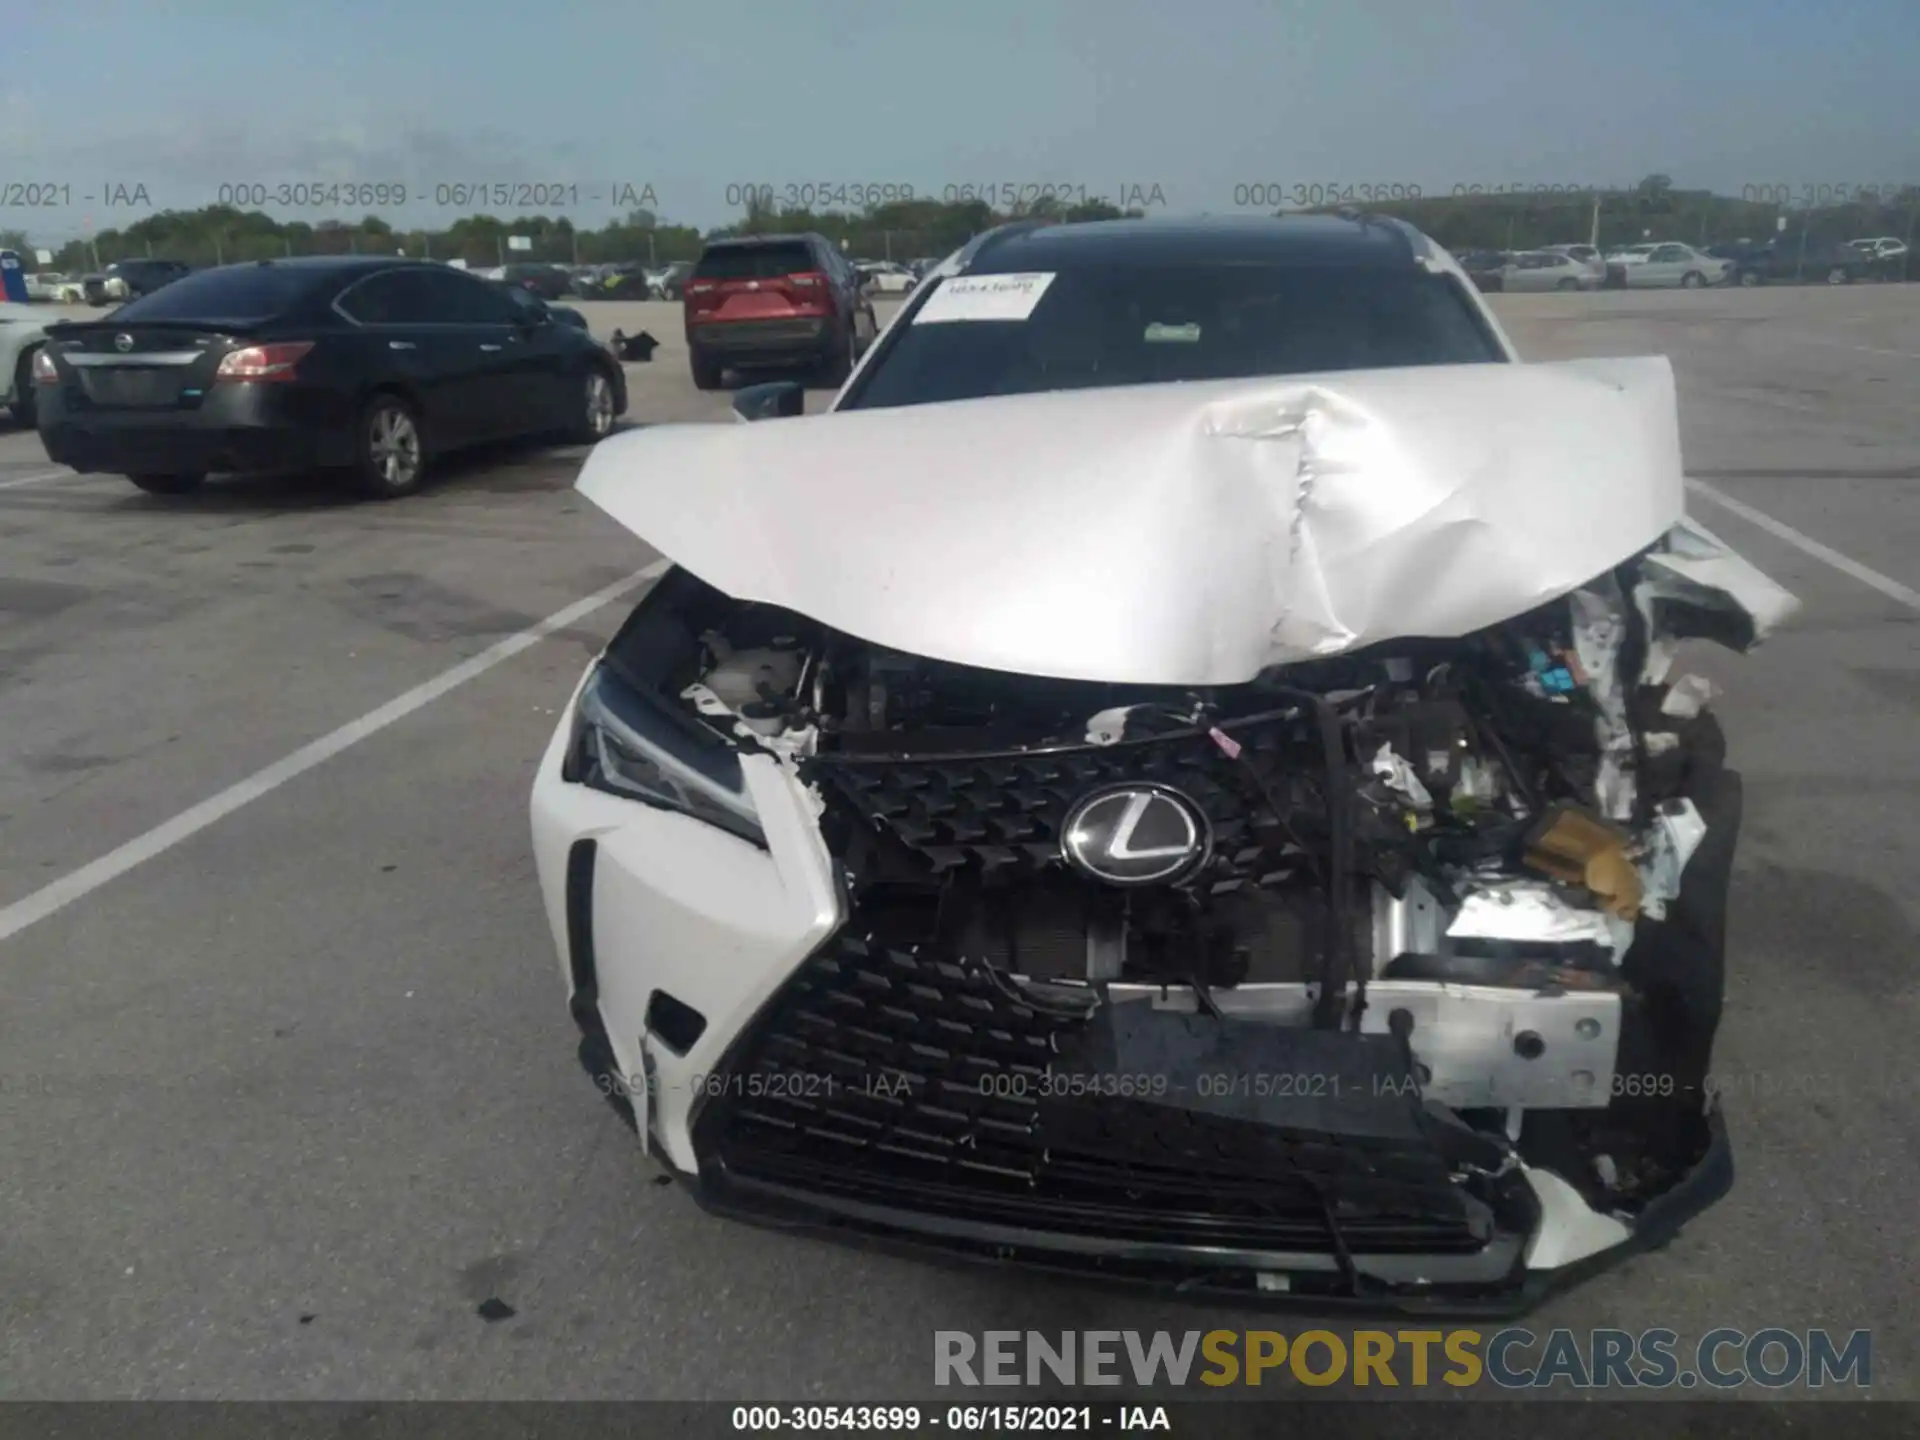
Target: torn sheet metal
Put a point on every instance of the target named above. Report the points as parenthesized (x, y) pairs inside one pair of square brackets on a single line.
[(1687, 697), (1695, 567), (1718, 595), (1675, 834), (1171, 534), (1532, 910), (1599, 631)]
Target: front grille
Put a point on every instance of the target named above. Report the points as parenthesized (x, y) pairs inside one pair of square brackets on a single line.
[(1001, 815), (887, 1075)]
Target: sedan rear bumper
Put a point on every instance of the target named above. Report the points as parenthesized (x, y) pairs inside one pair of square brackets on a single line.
[(242, 428)]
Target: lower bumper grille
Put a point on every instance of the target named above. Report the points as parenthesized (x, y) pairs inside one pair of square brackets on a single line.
[(888, 1077)]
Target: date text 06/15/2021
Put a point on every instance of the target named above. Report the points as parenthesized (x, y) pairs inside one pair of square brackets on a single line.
[(518, 195), (1054, 1084)]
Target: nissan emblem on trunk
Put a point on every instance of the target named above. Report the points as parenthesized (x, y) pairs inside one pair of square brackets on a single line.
[(1134, 835), (123, 343)]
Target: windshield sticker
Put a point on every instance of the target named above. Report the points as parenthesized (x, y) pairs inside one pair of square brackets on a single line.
[(984, 297), (1186, 334)]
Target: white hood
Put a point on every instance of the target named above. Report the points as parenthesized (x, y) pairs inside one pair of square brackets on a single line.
[(1187, 534)]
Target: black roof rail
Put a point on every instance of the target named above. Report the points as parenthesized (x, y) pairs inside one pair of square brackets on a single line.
[(1416, 239), (975, 247)]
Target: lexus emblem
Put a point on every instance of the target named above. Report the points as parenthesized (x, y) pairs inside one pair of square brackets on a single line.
[(123, 343), (1135, 834)]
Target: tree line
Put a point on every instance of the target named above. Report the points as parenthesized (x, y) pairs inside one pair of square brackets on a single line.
[(909, 229)]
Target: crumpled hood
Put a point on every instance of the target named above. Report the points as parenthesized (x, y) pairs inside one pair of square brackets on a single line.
[(1173, 534)]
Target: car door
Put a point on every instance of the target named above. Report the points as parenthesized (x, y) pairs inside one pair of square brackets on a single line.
[(415, 340), (1663, 267), (484, 325), (539, 373), (1524, 273)]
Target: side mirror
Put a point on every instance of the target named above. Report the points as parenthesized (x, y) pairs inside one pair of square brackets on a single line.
[(775, 400)]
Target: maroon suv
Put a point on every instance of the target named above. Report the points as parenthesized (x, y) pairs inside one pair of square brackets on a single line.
[(776, 301)]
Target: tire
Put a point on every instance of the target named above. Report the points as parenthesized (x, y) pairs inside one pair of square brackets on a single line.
[(707, 371), (1567, 285), (168, 484), (595, 399), (390, 457), (1749, 278), (1838, 276), (25, 411), (1692, 280)]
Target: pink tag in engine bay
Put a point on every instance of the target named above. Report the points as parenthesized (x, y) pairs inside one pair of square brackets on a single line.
[(1229, 746)]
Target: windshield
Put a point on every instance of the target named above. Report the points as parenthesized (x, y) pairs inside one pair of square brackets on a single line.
[(1104, 327), (755, 262), (238, 292)]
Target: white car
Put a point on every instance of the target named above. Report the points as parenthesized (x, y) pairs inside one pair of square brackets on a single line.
[(23, 329), (1153, 761), (52, 286), (1889, 256), (1670, 265), (1548, 270), (886, 278), (1588, 256)]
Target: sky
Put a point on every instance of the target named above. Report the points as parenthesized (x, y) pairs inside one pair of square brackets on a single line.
[(1190, 107)]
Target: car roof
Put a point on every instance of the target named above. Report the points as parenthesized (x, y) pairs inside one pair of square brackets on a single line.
[(341, 264), (744, 242), (1349, 242)]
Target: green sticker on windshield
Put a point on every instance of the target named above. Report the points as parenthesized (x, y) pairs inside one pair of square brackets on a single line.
[(1173, 334)]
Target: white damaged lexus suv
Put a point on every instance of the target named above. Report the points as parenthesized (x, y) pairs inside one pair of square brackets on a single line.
[(1184, 774)]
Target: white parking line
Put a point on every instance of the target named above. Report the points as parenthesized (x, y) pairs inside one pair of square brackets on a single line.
[(38, 479), (188, 823), (1845, 564)]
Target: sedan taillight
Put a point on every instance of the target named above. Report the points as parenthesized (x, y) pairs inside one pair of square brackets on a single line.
[(264, 363), (45, 372)]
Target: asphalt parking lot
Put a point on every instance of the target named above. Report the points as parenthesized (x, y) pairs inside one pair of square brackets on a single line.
[(289, 1087)]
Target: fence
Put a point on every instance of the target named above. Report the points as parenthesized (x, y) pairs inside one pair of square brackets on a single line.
[(650, 248)]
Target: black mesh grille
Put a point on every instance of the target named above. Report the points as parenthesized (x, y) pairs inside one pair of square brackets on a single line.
[(1000, 815), (871, 1076)]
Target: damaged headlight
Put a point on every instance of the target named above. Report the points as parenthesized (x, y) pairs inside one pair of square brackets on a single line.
[(627, 746)]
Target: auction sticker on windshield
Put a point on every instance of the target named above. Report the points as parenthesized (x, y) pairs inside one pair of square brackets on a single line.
[(984, 297)]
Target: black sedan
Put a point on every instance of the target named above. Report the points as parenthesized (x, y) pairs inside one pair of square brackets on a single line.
[(533, 306), (549, 282), (135, 278), (1788, 262), (369, 366), (1486, 268)]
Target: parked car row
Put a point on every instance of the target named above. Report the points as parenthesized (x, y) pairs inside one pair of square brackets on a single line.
[(1671, 264), (1786, 261)]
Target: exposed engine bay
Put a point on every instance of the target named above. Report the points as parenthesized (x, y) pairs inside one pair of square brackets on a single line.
[(1458, 863)]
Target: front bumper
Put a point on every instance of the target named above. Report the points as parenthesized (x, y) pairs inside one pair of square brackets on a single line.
[(1495, 1284), (658, 917)]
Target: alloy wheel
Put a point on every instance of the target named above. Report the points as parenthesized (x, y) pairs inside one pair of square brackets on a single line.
[(393, 445), (599, 404)]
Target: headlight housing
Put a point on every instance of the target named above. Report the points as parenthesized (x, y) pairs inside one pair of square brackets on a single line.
[(626, 744)]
